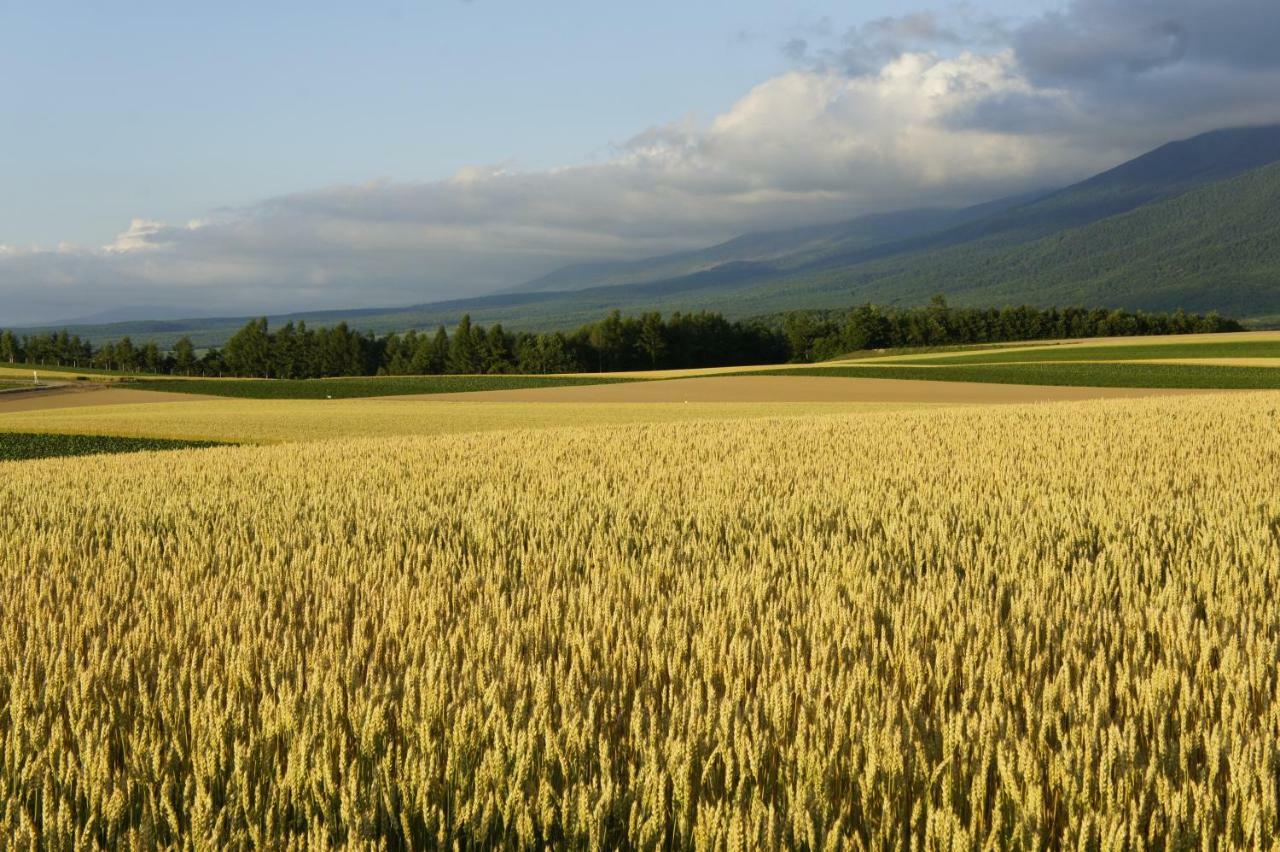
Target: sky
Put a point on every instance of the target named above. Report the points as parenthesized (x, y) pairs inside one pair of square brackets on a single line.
[(232, 158)]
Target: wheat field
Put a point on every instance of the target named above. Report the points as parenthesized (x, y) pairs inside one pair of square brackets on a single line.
[(1015, 627), (255, 421)]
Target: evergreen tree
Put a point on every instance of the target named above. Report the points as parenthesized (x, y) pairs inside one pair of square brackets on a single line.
[(498, 355), (184, 356), (608, 340), (652, 342), (248, 352), (284, 352), (149, 357), (438, 354), (463, 357), (126, 355)]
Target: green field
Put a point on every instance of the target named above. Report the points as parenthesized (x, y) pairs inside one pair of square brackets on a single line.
[(1102, 375), (1103, 365), (1116, 352), (23, 446), (5, 385), (355, 387)]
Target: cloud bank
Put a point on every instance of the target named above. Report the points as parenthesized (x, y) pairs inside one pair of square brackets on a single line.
[(926, 109)]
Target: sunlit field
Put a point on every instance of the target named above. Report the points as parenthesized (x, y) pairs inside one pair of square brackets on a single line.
[(274, 421), (1027, 626)]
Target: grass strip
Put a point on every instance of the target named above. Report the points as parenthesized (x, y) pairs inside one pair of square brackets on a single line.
[(1071, 375), (351, 388), (24, 446), (1135, 352)]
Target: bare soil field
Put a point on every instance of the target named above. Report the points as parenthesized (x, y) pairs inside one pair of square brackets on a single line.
[(800, 389), (79, 396)]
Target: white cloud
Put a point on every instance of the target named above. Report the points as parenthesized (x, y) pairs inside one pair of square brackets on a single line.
[(143, 235)]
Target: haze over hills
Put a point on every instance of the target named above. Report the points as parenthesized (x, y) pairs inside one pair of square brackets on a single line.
[(792, 246), (1166, 171), (1193, 224)]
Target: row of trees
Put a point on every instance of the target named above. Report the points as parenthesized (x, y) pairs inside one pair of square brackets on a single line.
[(819, 335), (70, 350), (615, 343), (649, 341)]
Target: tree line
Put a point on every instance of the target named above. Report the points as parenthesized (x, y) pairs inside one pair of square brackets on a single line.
[(648, 341), (820, 335)]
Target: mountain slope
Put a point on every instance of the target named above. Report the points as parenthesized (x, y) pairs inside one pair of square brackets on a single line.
[(791, 247), (1162, 173), (1191, 224), (757, 247), (1216, 247), (1165, 172)]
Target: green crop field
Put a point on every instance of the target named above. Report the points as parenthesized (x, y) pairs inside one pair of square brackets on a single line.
[(1269, 348), (1104, 375), (22, 446), (351, 388)]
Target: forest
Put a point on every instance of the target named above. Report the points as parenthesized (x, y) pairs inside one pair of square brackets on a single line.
[(648, 341)]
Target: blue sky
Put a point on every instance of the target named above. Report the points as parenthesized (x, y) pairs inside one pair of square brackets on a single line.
[(266, 156), (169, 110)]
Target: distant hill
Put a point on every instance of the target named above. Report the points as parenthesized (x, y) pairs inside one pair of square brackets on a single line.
[(794, 245), (1164, 172), (1216, 247), (1193, 224)]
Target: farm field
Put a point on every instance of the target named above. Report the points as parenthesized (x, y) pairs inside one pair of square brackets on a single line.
[(281, 421), (1024, 625), (24, 399), (861, 603), (795, 385), (22, 446), (1091, 374), (663, 427), (357, 387), (132, 412), (1264, 347)]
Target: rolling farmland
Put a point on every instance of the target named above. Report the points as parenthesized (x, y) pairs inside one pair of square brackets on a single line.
[(649, 427), (1020, 625)]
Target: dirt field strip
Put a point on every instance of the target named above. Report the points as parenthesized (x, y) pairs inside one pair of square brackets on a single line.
[(802, 389), (81, 396)]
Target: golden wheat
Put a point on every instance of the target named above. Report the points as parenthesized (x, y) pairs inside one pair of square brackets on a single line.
[(1030, 626), (274, 421)]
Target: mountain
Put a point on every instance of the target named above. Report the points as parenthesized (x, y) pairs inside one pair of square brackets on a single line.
[(1162, 173), (126, 313), (1215, 247), (1193, 224), (1190, 224), (811, 242)]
